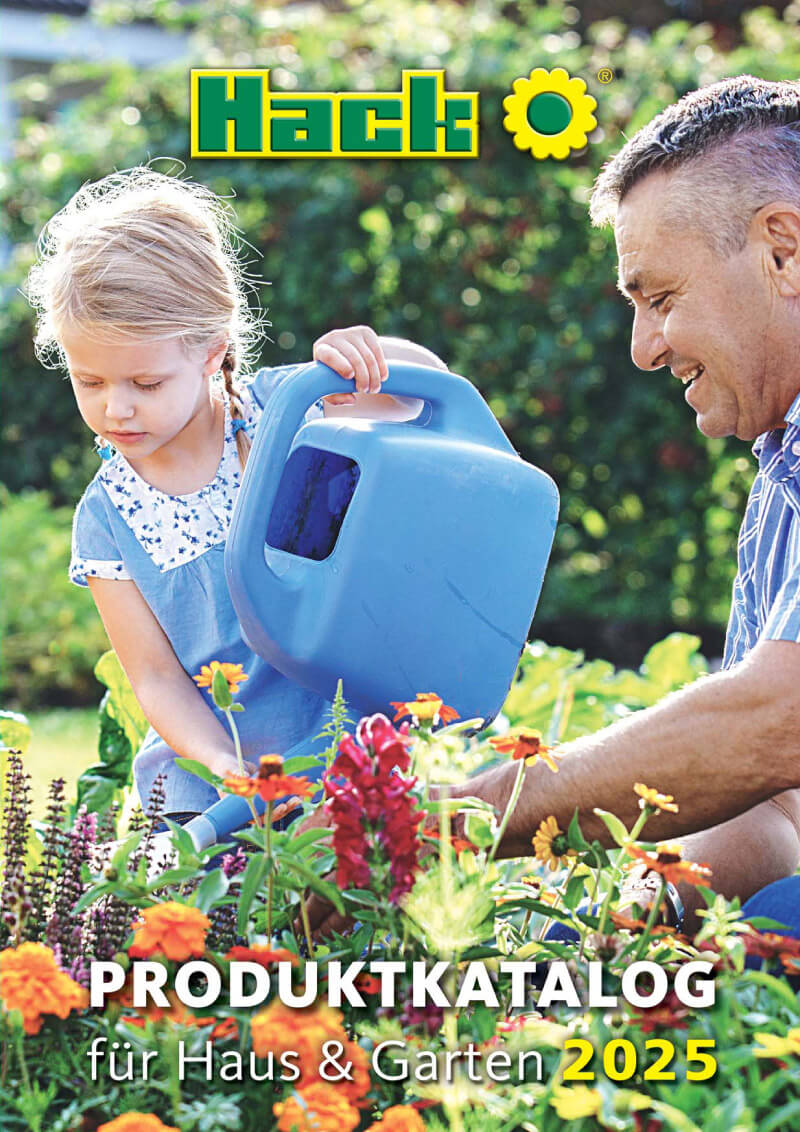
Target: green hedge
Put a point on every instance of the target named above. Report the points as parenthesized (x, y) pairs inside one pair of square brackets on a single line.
[(491, 263), (51, 632)]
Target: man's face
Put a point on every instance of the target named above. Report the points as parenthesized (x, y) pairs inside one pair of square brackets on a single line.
[(715, 321)]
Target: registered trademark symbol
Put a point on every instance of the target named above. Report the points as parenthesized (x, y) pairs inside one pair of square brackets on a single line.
[(605, 75)]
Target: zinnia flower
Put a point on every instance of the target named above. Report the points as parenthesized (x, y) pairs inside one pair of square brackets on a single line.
[(652, 798), (773, 945), (668, 862), (550, 844), (32, 982), (176, 930), (137, 1122), (241, 784), (525, 743), (775, 1046), (318, 1108), (427, 705), (670, 1013), (272, 783), (232, 672), (399, 1118), (577, 1102)]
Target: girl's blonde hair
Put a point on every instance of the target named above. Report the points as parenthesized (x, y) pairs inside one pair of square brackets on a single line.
[(140, 256)]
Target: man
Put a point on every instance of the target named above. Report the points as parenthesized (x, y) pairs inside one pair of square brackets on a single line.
[(705, 203)]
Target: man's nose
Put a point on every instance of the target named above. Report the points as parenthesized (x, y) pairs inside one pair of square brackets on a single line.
[(649, 349)]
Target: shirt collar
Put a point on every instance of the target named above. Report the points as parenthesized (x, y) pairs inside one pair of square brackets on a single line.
[(778, 451)]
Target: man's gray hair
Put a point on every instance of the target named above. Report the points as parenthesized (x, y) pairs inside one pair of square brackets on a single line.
[(733, 147)]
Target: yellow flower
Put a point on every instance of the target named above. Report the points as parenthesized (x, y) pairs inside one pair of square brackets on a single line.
[(232, 673), (575, 1103), (549, 113), (775, 1046), (427, 705), (525, 743), (32, 982), (550, 844), (652, 798), (176, 930), (137, 1122)]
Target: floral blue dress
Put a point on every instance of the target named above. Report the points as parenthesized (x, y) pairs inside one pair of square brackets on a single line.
[(172, 547)]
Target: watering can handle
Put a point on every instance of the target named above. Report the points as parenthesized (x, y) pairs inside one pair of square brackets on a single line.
[(457, 411)]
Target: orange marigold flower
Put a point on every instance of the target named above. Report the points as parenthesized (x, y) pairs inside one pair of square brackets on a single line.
[(525, 743), (399, 1118), (668, 862), (137, 1122), (427, 705), (318, 1108), (261, 953), (232, 672), (652, 798), (356, 1090), (32, 983), (176, 930), (550, 844), (241, 784), (177, 1014), (279, 1027)]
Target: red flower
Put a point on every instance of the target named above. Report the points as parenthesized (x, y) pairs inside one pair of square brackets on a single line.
[(670, 1013), (371, 806), (772, 945)]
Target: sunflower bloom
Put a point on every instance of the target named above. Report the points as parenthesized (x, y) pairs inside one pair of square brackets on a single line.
[(427, 705), (176, 930), (137, 1122), (525, 743), (550, 844), (577, 1102), (652, 798), (774, 1046), (399, 1118), (668, 862), (32, 983), (232, 672), (319, 1108)]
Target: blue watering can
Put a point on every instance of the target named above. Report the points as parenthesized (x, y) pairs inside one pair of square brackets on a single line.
[(401, 557)]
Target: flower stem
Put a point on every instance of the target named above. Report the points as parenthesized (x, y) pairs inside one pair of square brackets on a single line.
[(270, 867), (512, 802), (617, 870)]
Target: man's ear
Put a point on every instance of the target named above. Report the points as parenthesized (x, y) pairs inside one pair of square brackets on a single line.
[(779, 228)]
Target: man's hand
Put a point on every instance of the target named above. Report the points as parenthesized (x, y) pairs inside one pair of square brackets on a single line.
[(356, 354)]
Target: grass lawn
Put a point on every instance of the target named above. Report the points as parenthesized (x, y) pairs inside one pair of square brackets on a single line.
[(63, 744)]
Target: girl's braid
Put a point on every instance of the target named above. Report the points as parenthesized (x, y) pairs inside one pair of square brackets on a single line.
[(228, 368)]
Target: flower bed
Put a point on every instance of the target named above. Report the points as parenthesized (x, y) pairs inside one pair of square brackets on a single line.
[(578, 1041)]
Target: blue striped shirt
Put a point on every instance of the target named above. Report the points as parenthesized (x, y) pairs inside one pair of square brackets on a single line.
[(766, 592)]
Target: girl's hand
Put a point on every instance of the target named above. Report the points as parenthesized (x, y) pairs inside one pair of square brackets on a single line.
[(355, 353), (225, 763)]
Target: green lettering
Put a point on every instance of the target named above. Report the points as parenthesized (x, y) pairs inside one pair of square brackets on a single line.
[(311, 131), (425, 122), (356, 114), (215, 110)]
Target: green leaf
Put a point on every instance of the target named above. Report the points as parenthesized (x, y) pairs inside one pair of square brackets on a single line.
[(614, 826), (200, 769), (300, 763), (574, 893), (211, 889), (252, 880), (220, 691), (236, 707), (121, 703), (15, 731), (479, 828), (575, 838)]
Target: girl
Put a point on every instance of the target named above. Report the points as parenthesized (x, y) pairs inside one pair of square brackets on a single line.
[(139, 293)]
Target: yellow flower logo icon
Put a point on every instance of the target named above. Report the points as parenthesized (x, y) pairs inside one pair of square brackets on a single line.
[(549, 113)]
